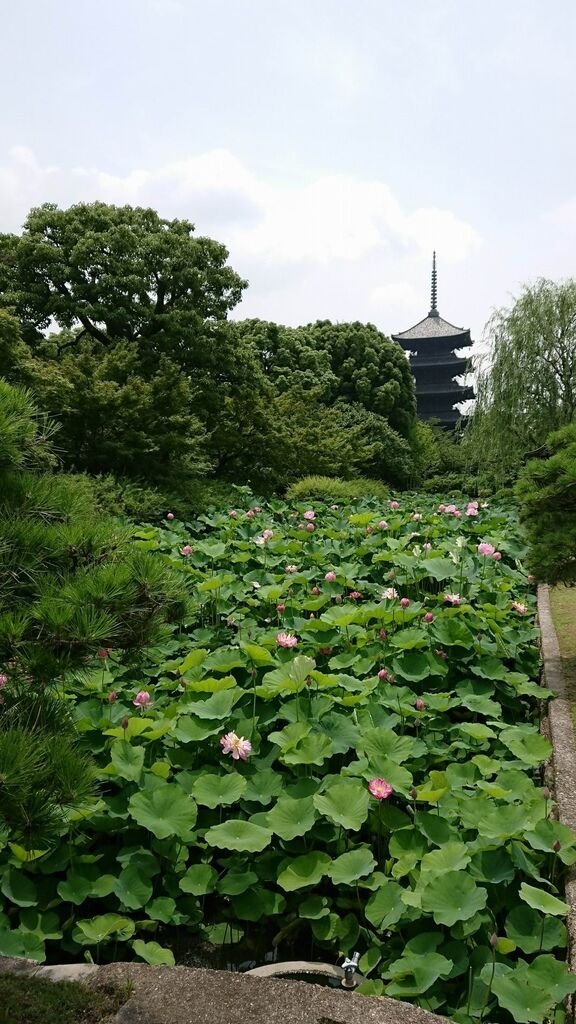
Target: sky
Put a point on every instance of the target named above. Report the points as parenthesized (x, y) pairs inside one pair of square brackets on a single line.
[(331, 145)]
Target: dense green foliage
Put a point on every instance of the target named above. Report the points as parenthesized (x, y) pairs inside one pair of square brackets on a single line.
[(547, 494), (329, 489), (297, 640), (71, 584), (527, 385)]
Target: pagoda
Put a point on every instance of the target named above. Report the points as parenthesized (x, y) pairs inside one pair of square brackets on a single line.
[(431, 345)]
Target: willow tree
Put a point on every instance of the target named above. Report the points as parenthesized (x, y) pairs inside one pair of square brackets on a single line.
[(526, 385)]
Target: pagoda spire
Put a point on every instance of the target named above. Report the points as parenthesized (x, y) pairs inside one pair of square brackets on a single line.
[(434, 293)]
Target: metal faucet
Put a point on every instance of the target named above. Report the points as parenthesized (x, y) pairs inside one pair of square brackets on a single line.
[(349, 967)]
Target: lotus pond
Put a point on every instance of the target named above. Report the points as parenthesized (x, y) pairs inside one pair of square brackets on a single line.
[(339, 749)]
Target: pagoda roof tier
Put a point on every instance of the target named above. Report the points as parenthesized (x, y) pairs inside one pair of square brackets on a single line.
[(449, 387), (447, 417), (434, 326), (427, 360)]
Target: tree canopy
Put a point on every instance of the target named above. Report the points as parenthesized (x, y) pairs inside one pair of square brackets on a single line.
[(527, 383)]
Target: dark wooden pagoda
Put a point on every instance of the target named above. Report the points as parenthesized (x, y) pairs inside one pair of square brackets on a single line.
[(432, 345)]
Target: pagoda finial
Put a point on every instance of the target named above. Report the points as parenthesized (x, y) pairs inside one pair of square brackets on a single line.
[(434, 296)]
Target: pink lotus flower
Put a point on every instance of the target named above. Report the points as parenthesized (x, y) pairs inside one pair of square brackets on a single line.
[(104, 652), (390, 594), (236, 745), (142, 699), (3, 680), (394, 505), (404, 603), (112, 697), (333, 507), (486, 549), (250, 513), (310, 527), (420, 704), (380, 789), (280, 608), (310, 514), (457, 514), (291, 568), (428, 617), (518, 607), (497, 556), (186, 550), (453, 598), (257, 508), (383, 635), (427, 546), (316, 591), (417, 517), (267, 534), (286, 640), (369, 530), (440, 653), (330, 577), (383, 673), (170, 516), (382, 525), (472, 508), (233, 513), (441, 508), (354, 595)]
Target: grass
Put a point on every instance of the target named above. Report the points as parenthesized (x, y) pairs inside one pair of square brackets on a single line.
[(563, 604), (28, 1000)]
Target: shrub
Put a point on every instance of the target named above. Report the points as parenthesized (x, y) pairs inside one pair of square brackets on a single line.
[(328, 489), (142, 503), (547, 493)]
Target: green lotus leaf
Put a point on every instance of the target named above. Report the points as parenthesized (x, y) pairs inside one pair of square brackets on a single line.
[(349, 867), (262, 786), (162, 909), (314, 907), (452, 856), (489, 668), (413, 666), (44, 925), (313, 749), (132, 888), (211, 684), (440, 569), (235, 882), (94, 930), (127, 760), (407, 846), (18, 888), (303, 871), (214, 583), (529, 747), (290, 818), (19, 943), (538, 899), (452, 632), (288, 737), (409, 639), (477, 731), (199, 879), (385, 907), (256, 903), (384, 743), (532, 932), (530, 991), (190, 730), (344, 803), (238, 835), (218, 706), (164, 811), (218, 790), (413, 973), (257, 654), (152, 953), (193, 660), (452, 896)]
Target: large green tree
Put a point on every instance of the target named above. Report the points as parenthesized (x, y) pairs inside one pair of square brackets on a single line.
[(526, 384), (118, 273)]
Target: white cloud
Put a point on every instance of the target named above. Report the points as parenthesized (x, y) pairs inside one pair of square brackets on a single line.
[(335, 246)]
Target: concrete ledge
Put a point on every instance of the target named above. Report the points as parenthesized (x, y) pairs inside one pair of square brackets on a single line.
[(561, 729)]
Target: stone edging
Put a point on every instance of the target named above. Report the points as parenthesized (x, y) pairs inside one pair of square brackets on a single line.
[(563, 754)]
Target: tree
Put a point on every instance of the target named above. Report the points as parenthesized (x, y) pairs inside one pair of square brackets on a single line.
[(290, 357), (370, 369), (118, 274), (526, 385), (546, 491), (71, 584)]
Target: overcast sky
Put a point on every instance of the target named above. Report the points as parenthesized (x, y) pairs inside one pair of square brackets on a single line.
[(330, 144)]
